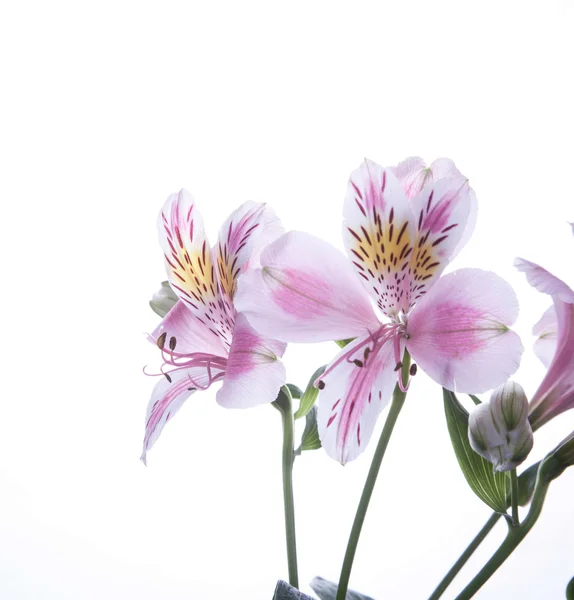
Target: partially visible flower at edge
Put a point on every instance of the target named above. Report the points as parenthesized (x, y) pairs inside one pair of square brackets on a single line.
[(555, 346), (402, 227), (203, 339)]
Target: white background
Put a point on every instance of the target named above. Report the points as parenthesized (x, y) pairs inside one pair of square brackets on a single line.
[(106, 108)]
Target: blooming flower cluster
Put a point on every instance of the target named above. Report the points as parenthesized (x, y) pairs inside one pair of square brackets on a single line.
[(228, 312), (240, 302)]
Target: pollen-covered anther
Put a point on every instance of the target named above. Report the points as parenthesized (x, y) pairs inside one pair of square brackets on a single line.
[(358, 362), (321, 384), (172, 343), (398, 366), (161, 340), (413, 370)]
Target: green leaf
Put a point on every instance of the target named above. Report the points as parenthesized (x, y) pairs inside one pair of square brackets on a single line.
[(310, 438), (295, 391), (570, 590), (343, 343), (327, 590), (309, 397), (492, 488)]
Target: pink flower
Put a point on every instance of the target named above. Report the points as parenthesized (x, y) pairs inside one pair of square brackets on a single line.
[(202, 338), (555, 346), (402, 227)]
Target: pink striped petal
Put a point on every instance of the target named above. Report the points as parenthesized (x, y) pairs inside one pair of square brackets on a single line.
[(547, 332), (544, 281), (254, 372), (306, 291), (356, 389), (441, 212), (458, 333), (190, 334), (414, 176), (379, 235), (241, 238), (168, 397), (189, 263)]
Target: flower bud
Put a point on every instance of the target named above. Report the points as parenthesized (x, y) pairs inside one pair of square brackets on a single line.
[(163, 300), (499, 430), (509, 405)]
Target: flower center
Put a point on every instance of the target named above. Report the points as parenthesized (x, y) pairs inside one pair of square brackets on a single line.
[(176, 361), (358, 354)]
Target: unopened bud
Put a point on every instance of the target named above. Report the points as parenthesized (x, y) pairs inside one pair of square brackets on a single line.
[(509, 405), (163, 300), (499, 430)]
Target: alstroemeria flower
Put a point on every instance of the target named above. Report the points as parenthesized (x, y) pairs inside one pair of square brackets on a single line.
[(402, 227), (555, 346), (203, 339)]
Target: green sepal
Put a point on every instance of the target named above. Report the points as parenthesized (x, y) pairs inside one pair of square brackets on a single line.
[(343, 343), (295, 391), (310, 438), (527, 483), (283, 401), (491, 487), (475, 400), (327, 590), (309, 396)]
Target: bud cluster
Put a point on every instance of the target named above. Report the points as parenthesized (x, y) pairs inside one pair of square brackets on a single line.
[(499, 430)]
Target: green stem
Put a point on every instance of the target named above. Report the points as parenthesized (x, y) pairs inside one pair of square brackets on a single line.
[(465, 556), (514, 497), (288, 457), (514, 536), (396, 406)]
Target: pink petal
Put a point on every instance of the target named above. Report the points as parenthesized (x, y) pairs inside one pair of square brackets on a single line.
[(241, 238), (414, 175), (254, 372), (441, 212), (547, 332), (544, 281), (458, 333), (189, 263), (168, 397), (190, 334), (556, 391), (306, 291), (353, 397), (379, 235)]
